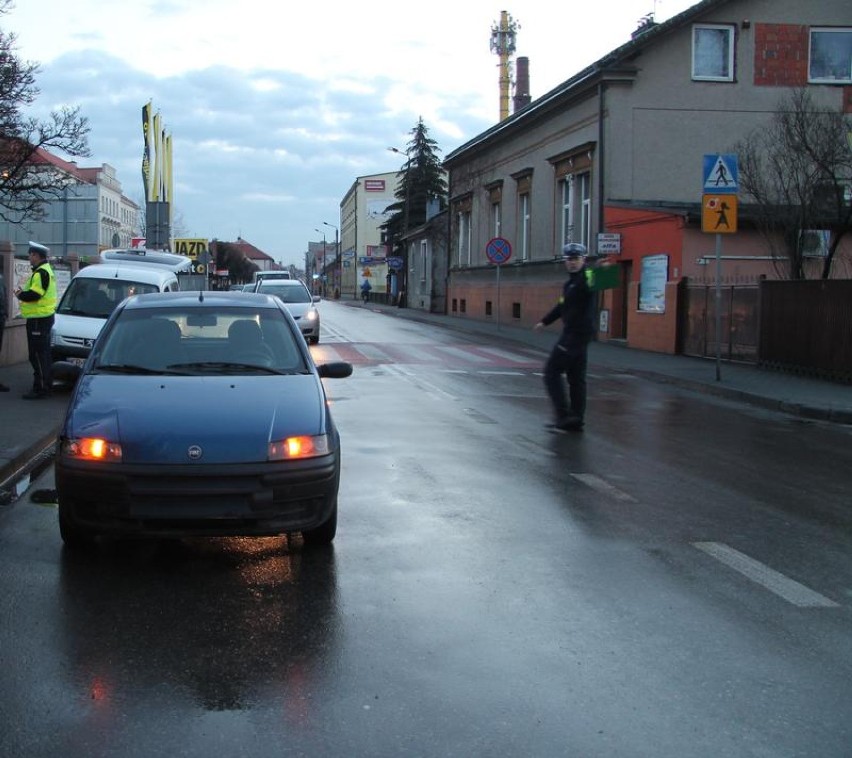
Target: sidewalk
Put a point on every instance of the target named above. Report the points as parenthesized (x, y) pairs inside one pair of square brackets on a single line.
[(28, 428)]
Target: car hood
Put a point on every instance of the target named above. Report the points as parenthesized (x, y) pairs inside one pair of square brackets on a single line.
[(298, 310), (85, 327), (232, 419)]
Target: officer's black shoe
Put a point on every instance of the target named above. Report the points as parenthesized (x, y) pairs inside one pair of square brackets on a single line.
[(570, 423), (3, 388)]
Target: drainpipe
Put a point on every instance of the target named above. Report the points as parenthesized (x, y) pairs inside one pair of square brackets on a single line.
[(600, 152)]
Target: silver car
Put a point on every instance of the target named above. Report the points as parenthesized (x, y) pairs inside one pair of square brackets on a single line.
[(299, 301)]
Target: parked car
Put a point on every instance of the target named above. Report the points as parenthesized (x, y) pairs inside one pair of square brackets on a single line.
[(90, 298), (299, 301), (199, 414)]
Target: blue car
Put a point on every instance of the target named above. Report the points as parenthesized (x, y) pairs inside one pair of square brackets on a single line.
[(199, 414)]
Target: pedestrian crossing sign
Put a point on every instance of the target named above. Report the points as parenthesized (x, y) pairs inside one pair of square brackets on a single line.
[(719, 214), (721, 173)]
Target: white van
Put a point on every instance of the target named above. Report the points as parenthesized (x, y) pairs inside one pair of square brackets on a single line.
[(176, 262), (91, 297)]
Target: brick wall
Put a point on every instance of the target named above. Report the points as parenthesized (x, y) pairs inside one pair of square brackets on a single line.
[(780, 55), (653, 331)]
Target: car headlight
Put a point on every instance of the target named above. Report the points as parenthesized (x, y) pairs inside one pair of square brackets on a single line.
[(312, 315), (298, 447), (91, 449)]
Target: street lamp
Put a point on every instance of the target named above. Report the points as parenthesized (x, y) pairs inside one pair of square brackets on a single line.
[(323, 248), (339, 255), (405, 217)]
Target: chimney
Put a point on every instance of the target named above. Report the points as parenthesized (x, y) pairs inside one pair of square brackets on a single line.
[(522, 83)]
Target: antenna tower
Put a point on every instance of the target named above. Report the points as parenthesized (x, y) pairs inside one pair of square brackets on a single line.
[(503, 44)]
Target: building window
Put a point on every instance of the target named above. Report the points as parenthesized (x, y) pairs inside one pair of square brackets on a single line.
[(524, 225), (566, 187), (713, 53), (424, 259), (830, 58), (496, 219), (487, 307), (585, 191), (464, 238), (516, 311)]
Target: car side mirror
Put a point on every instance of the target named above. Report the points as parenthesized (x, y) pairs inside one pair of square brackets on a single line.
[(316, 299), (334, 370)]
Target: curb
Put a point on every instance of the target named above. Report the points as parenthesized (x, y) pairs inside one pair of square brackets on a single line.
[(25, 463)]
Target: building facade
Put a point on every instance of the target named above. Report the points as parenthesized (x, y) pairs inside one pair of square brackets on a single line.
[(90, 215), (362, 242), (618, 149)]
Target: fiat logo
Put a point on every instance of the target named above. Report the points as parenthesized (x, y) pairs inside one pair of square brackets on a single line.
[(194, 452)]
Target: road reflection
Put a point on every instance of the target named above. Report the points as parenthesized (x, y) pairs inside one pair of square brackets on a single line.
[(222, 625)]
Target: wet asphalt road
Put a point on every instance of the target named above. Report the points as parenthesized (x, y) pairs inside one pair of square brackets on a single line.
[(675, 581)]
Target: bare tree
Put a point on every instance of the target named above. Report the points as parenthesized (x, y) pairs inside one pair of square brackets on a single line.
[(797, 174), (28, 178)]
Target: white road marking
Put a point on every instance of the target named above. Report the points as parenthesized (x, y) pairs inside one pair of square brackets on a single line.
[(464, 355), (505, 354), (786, 588), (417, 381), (605, 488), (500, 373)]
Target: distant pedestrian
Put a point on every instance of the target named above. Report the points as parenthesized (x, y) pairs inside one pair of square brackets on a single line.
[(576, 308), (38, 304), (4, 314), (365, 290)]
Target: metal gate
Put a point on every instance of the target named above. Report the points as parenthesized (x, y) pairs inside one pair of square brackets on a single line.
[(740, 307)]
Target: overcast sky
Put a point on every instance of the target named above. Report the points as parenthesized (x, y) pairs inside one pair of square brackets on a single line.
[(276, 108)]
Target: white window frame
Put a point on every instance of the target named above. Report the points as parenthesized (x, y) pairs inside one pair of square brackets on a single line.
[(705, 53), (524, 224), (496, 218), (841, 67), (585, 180), (567, 208)]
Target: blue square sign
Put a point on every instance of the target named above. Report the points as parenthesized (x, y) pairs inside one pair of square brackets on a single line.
[(721, 174)]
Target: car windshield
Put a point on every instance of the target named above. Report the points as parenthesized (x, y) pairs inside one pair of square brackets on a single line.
[(97, 298), (293, 293), (200, 340)]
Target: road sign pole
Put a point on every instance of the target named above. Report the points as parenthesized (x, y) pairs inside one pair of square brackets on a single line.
[(498, 298), (718, 307)]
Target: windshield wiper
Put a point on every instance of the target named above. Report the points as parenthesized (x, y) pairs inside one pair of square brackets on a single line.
[(130, 368), (225, 367)]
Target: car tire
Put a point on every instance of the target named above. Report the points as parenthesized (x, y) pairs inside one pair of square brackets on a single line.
[(313, 340), (323, 534), (73, 537)]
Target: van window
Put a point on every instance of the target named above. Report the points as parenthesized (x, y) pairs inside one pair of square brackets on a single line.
[(98, 297)]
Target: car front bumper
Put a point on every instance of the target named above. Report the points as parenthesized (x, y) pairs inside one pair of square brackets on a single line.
[(186, 500)]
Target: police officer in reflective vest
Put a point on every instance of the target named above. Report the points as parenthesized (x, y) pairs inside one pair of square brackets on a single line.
[(38, 304)]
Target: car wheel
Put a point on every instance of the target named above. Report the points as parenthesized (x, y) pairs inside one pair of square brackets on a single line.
[(325, 532), (73, 537), (313, 340)]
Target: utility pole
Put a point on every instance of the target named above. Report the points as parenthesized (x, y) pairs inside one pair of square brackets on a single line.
[(338, 259)]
